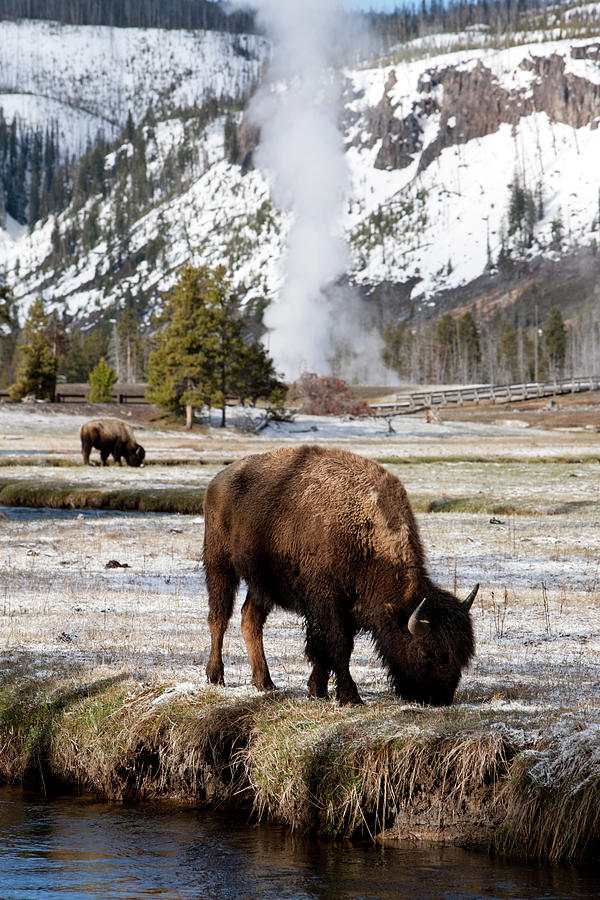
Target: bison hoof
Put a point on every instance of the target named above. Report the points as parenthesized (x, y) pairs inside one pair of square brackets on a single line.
[(215, 676), (349, 698), (265, 686), (353, 701)]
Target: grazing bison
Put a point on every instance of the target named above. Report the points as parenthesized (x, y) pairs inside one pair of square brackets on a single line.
[(110, 436), (332, 536)]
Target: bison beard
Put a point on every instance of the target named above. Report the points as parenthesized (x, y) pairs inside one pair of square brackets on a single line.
[(332, 536)]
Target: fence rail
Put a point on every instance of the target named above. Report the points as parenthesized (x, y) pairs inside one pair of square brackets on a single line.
[(62, 396), (496, 393)]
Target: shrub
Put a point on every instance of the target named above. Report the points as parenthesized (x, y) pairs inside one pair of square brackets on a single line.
[(325, 396), (102, 380)]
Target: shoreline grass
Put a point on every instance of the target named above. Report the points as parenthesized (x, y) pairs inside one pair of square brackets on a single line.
[(65, 495), (68, 462), (385, 772), (496, 487), (187, 498)]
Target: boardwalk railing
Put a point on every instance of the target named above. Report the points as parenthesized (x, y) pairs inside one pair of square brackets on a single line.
[(62, 397), (494, 393)]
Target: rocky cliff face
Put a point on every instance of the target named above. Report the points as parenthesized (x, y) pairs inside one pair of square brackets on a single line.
[(400, 137), (564, 96), (472, 102)]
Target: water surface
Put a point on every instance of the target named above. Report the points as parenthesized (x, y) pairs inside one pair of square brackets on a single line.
[(79, 848)]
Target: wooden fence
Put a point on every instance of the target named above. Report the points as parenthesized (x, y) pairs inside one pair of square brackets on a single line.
[(62, 397), (80, 396), (407, 403), (494, 393)]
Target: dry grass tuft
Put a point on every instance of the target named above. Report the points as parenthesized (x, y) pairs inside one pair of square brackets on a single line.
[(553, 800), (65, 495), (367, 771)]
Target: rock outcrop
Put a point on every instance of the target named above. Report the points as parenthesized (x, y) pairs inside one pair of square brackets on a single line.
[(472, 103)]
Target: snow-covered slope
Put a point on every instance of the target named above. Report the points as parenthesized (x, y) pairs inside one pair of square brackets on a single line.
[(483, 120), (433, 143), (106, 73)]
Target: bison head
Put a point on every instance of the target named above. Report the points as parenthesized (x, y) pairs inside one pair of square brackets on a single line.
[(433, 648), (135, 455)]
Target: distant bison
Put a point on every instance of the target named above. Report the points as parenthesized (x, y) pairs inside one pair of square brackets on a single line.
[(332, 536), (110, 436)]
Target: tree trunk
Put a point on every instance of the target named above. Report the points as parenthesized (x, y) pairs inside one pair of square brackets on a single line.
[(189, 417)]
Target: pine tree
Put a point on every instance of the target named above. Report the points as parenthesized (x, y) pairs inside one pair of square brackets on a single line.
[(128, 347), (9, 331), (469, 347), (508, 352), (200, 353), (232, 148), (446, 338), (38, 365), (522, 214), (255, 373), (398, 340), (85, 350), (102, 380), (555, 341)]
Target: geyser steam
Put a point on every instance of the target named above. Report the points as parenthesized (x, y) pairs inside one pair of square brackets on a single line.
[(302, 152)]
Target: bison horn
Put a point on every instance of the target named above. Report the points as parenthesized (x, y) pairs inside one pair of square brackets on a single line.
[(468, 601), (417, 626)]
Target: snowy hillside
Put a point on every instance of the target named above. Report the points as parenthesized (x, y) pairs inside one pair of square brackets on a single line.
[(434, 144), (448, 206), (104, 73)]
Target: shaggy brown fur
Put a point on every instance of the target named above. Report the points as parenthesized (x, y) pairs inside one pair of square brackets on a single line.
[(332, 536), (110, 436)]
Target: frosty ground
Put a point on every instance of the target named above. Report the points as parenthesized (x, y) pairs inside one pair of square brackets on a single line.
[(536, 617)]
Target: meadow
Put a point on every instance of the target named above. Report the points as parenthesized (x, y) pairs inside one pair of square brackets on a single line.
[(103, 640)]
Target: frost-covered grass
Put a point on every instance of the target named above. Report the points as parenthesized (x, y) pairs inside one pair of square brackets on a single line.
[(102, 669), (535, 618)]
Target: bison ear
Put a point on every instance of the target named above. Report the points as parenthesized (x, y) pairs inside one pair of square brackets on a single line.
[(419, 626), (468, 601)]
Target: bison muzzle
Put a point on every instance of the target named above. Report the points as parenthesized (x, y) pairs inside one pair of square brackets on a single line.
[(331, 536), (110, 436)]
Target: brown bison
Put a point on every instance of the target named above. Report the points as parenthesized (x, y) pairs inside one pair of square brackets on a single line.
[(110, 436), (332, 536)]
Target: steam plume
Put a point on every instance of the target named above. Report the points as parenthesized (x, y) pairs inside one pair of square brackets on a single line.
[(302, 153)]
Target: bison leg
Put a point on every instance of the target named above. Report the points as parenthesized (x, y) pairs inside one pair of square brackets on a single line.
[(104, 454), (222, 584), (318, 681), (85, 452), (329, 646), (253, 619)]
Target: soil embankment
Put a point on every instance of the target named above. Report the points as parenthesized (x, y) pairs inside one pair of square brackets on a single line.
[(388, 772)]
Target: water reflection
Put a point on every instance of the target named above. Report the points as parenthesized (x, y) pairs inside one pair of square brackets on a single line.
[(83, 849), (34, 514), (19, 452)]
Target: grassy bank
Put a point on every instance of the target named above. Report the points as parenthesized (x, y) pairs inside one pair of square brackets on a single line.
[(385, 771), (499, 487), (101, 667), (70, 495)]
